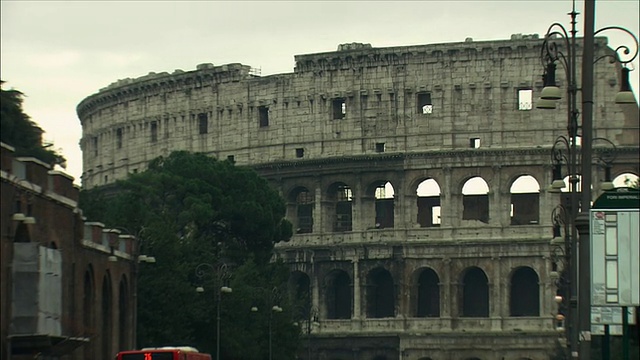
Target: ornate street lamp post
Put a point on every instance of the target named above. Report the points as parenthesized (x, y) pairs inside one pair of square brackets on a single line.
[(559, 46), (273, 298), (222, 276)]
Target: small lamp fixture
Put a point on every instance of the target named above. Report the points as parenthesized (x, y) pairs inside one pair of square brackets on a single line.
[(254, 309), (226, 290), (545, 104), (113, 258), (18, 217), (276, 308), (200, 289), (29, 220), (625, 96), (550, 90)]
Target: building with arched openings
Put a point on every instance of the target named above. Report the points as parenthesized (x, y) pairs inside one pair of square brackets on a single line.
[(416, 178), (62, 294)]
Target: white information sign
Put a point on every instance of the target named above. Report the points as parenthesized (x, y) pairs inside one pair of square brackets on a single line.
[(615, 250)]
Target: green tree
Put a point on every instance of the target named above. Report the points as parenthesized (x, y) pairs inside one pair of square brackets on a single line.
[(19, 131), (190, 209)]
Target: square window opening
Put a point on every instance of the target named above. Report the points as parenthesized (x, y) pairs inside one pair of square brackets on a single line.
[(339, 108), (299, 152), (154, 131), (474, 143), (263, 114), (203, 120), (380, 147), (231, 159), (525, 99), (119, 138), (425, 106)]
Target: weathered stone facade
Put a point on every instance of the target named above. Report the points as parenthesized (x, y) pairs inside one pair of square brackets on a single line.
[(350, 138)]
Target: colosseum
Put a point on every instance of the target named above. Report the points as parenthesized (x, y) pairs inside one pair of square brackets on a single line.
[(416, 178)]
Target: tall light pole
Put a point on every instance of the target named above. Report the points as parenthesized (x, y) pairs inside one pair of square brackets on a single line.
[(222, 276), (559, 46), (272, 302)]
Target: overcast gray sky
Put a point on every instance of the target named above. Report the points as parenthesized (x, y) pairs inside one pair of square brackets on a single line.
[(59, 52)]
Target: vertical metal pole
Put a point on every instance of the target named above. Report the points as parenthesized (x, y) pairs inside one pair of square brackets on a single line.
[(625, 334), (309, 335), (606, 353), (584, 296), (572, 128), (218, 324), (270, 349)]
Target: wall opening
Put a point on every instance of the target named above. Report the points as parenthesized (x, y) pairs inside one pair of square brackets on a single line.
[(380, 294), (525, 99), (425, 106), (119, 138), (525, 293), (339, 108), (154, 131), (343, 207), (475, 200), (203, 123), (475, 293), (384, 202), (525, 201), (338, 295), (428, 198), (304, 212), (263, 116), (428, 302)]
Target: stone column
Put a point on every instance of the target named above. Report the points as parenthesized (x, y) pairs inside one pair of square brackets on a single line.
[(356, 290)]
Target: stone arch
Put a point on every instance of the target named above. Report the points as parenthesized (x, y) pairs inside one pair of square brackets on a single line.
[(525, 201), (382, 194), (340, 202), (300, 286), (22, 233), (338, 295), (626, 179), (475, 293), (300, 209), (524, 299), (88, 311), (124, 333), (428, 201), (107, 317), (426, 285), (475, 200), (380, 294)]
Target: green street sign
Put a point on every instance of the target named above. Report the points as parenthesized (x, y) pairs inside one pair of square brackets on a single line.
[(618, 198)]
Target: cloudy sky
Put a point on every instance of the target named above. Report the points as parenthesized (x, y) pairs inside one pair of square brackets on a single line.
[(59, 52)]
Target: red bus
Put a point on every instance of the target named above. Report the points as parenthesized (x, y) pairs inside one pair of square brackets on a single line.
[(164, 353)]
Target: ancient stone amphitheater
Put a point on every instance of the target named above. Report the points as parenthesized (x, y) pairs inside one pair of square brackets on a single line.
[(415, 176)]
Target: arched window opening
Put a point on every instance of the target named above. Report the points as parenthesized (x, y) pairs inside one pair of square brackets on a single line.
[(475, 200), (343, 203), (107, 313), (87, 312), (525, 293), (22, 234), (384, 206), (304, 211), (380, 294), (525, 201), (626, 180), (428, 203), (475, 293), (428, 294), (300, 290), (123, 314), (338, 295)]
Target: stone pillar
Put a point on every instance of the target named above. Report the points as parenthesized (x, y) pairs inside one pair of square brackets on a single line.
[(496, 296), (356, 290)]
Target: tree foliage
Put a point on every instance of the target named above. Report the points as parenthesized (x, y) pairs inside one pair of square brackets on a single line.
[(19, 131), (191, 209)]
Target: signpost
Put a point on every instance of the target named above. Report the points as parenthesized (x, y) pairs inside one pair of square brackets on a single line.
[(615, 265)]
